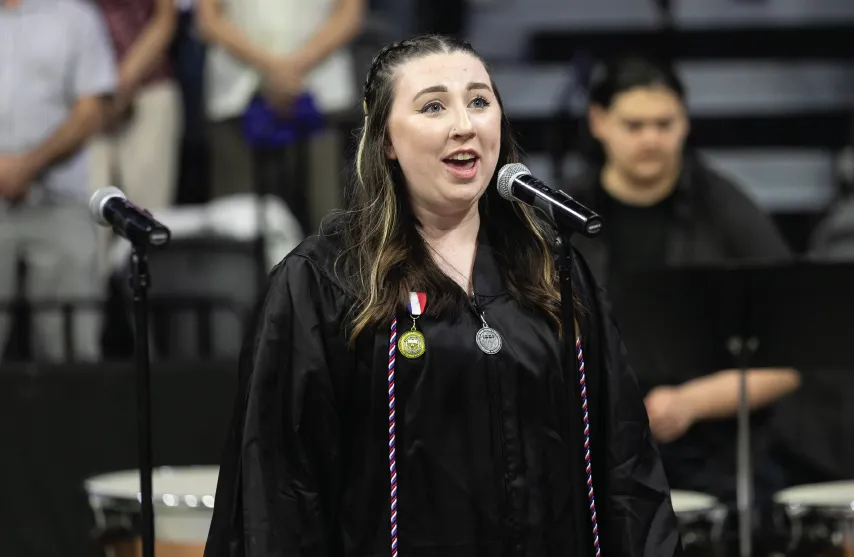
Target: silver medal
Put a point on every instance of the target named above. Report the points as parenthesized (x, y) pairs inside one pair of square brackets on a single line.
[(488, 339)]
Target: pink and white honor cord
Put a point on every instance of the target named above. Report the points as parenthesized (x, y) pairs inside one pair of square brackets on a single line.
[(392, 457), (392, 460), (588, 465)]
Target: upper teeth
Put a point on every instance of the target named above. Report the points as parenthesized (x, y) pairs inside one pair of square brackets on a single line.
[(462, 157)]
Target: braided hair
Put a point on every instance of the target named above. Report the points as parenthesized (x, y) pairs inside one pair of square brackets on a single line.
[(391, 55), (384, 257)]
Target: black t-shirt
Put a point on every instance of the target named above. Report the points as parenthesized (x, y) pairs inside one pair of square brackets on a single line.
[(637, 236)]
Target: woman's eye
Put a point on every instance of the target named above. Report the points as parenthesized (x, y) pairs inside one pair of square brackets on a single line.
[(480, 102), (431, 108)]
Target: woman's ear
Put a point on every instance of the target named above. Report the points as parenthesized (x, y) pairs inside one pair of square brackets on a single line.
[(390, 153)]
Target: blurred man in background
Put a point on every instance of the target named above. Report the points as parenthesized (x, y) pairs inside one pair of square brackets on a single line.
[(56, 71), (665, 208)]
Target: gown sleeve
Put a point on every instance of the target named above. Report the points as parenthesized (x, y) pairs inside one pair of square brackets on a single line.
[(640, 520), (278, 476)]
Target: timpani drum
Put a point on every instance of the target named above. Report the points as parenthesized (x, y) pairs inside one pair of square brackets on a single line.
[(183, 509), (820, 519), (701, 522)]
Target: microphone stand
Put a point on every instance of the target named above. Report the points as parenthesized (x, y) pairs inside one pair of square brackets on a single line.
[(742, 350), (743, 346), (583, 526), (140, 281)]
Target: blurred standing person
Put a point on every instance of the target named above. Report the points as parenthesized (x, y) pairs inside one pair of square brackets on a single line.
[(56, 71), (139, 147), (272, 52)]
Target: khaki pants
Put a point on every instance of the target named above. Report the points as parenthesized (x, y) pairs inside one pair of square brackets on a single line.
[(233, 171), (141, 158), (58, 245)]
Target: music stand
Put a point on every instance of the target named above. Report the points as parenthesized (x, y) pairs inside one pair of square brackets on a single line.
[(750, 315), (805, 317), (800, 317), (682, 323), (673, 325)]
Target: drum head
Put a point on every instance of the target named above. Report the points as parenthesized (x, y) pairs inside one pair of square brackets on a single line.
[(692, 502), (831, 495), (192, 487), (183, 500)]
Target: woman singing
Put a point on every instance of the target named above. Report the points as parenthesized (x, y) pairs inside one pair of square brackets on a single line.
[(404, 388)]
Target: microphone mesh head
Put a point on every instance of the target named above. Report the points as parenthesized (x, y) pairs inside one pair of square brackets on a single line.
[(96, 203), (506, 175)]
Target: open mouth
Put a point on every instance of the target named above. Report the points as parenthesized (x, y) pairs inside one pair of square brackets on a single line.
[(462, 162), (462, 165)]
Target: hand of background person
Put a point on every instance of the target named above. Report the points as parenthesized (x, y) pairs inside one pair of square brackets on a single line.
[(669, 414), (16, 175), (283, 83)]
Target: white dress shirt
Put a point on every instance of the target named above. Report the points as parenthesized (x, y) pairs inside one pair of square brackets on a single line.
[(282, 26)]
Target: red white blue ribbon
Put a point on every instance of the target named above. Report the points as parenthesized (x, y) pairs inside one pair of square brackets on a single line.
[(417, 303)]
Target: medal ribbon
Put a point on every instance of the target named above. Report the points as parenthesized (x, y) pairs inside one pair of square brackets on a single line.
[(417, 303)]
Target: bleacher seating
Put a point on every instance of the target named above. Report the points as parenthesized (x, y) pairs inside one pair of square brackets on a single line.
[(770, 83)]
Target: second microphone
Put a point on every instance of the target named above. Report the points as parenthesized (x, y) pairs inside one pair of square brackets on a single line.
[(110, 207)]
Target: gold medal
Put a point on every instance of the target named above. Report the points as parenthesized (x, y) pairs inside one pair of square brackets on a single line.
[(412, 344)]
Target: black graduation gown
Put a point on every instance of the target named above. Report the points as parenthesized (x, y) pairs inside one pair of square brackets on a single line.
[(484, 466)]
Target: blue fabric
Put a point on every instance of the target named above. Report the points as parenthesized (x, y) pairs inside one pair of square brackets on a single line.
[(264, 127)]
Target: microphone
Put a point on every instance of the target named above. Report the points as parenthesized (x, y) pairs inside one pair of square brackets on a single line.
[(516, 183), (109, 207)]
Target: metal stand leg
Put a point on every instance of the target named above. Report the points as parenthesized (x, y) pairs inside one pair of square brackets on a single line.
[(742, 351)]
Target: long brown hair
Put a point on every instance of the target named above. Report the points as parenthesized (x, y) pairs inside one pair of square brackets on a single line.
[(384, 256)]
